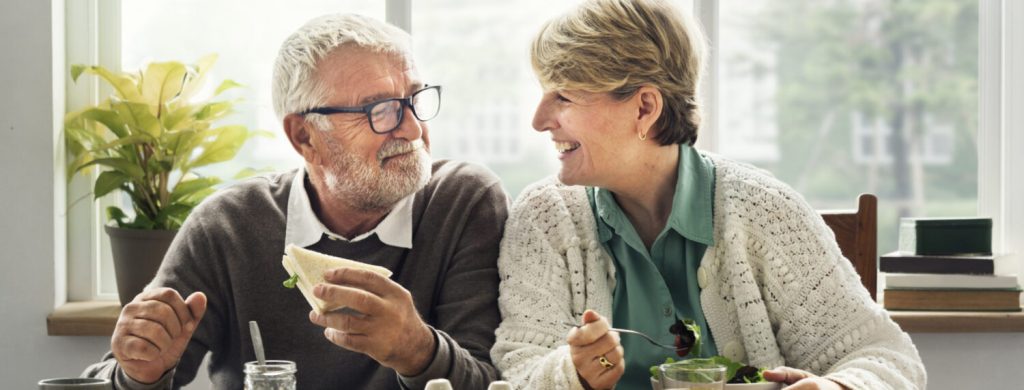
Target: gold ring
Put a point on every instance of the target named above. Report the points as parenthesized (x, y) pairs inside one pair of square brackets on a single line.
[(604, 362)]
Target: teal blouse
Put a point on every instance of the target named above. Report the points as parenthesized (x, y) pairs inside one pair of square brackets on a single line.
[(654, 288)]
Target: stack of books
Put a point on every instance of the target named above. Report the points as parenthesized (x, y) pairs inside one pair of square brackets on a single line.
[(947, 264)]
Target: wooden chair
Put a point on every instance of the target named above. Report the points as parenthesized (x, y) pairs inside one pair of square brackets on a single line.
[(856, 233)]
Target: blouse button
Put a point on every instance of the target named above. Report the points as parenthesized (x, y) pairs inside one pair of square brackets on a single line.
[(702, 277)]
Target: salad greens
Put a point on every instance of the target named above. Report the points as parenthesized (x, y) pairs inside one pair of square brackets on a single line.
[(290, 283), (688, 340), (687, 334)]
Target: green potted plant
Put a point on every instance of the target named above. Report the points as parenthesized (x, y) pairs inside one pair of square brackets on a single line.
[(148, 138)]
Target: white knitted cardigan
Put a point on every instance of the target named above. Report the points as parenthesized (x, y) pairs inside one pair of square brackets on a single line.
[(775, 288)]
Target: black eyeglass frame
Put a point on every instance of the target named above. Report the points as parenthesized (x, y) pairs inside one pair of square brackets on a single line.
[(368, 109)]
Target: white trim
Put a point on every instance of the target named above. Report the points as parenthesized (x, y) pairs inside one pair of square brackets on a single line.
[(60, 241), (1013, 131), (399, 13), (92, 36), (990, 116), (706, 12)]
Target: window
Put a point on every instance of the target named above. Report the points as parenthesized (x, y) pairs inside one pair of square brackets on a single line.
[(479, 51), (842, 97), (835, 98)]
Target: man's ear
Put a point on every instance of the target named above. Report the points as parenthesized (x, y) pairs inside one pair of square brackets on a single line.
[(649, 103), (299, 131)]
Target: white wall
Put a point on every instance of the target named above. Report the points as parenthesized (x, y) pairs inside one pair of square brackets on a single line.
[(29, 227), (31, 230)]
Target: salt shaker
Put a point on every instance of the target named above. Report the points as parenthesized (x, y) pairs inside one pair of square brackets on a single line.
[(499, 385), (438, 384), (274, 375)]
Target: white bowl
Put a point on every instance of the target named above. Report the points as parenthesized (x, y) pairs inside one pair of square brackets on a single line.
[(753, 386)]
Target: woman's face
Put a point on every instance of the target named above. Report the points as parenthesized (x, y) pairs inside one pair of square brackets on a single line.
[(594, 134)]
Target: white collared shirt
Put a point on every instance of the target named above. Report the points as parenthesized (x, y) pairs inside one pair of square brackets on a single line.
[(304, 228)]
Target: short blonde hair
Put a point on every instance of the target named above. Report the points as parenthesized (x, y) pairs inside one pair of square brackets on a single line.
[(618, 46)]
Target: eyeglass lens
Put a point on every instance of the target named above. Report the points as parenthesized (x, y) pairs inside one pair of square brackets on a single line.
[(387, 115)]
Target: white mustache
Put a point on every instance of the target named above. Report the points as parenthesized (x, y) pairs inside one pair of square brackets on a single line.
[(396, 147)]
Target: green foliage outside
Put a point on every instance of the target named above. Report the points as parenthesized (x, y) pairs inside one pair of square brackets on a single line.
[(909, 64)]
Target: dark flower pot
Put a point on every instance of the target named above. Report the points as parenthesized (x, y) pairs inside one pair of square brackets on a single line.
[(137, 256)]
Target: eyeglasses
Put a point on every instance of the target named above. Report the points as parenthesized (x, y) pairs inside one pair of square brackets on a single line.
[(386, 115)]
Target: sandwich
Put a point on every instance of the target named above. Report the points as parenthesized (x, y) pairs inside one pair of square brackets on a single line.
[(307, 268)]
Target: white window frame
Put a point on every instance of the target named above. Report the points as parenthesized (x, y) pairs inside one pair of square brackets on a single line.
[(90, 39), (93, 39)]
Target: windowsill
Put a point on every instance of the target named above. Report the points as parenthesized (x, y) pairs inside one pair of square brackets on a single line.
[(89, 318), (958, 321), (97, 318)]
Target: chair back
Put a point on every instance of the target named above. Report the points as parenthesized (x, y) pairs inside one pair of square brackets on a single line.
[(856, 233)]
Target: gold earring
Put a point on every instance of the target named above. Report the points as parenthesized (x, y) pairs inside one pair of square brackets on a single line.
[(642, 136)]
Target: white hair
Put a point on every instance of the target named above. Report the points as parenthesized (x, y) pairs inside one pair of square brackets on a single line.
[(296, 83)]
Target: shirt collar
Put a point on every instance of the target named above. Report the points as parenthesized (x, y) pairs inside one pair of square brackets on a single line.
[(692, 203), (304, 228)]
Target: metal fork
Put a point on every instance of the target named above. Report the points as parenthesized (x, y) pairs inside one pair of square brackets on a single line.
[(641, 334)]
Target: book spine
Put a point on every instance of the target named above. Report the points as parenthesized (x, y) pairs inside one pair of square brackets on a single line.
[(957, 300), (937, 266)]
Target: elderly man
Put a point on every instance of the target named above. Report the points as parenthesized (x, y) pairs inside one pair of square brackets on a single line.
[(353, 105)]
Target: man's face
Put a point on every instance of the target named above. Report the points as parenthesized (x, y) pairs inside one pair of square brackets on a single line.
[(367, 170)]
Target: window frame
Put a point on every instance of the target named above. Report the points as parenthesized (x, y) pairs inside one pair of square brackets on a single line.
[(92, 36)]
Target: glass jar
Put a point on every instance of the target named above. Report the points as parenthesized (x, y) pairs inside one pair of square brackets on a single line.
[(274, 375)]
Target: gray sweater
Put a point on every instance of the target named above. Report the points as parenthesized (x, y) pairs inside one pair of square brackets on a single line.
[(230, 248)]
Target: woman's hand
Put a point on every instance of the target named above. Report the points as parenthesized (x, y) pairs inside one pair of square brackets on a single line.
[(800, 379), (596, 352)]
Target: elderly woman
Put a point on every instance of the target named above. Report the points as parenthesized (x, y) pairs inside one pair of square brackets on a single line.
[(645, 230)]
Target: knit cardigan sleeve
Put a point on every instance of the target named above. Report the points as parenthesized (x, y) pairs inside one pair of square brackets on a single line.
[(546, 268), (788, 292)]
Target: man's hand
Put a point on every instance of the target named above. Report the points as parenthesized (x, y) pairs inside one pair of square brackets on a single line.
[(800, 379), (153, 331), (387, 327), (596, 352)]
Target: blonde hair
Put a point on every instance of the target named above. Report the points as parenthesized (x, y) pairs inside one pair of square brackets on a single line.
[(618, 46)]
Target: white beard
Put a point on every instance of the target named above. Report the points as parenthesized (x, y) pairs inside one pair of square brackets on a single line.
[(374, 187)]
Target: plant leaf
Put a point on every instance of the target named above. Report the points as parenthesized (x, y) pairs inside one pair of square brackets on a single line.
[(120, 164), (213, 111), (224, 147), (115, 214), (79, 164), (129, 140), (198, 196), (226, 85), (248, 172), (84, 136), (162, 81), (108, 118), (76, 70), (141, 222), (172, 216), (177, 118), (124, 84), (107, 182), (198, 74), (138, 118), (189, 187)]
